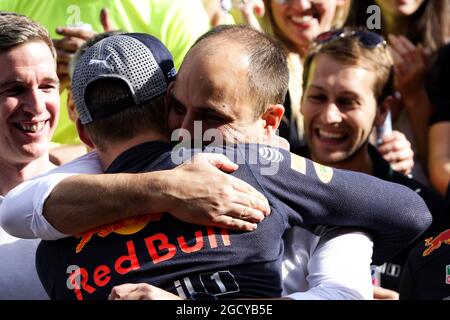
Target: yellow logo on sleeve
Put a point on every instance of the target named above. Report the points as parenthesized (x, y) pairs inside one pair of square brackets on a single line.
[(298, 163), (324, 173)]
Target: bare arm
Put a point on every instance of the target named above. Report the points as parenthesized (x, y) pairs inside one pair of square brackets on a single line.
[(195, 193), (410, 65), (439, 156), (77, 198), (418, 107)]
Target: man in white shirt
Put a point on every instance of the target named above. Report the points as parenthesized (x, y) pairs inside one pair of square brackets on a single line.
[(29, 109)]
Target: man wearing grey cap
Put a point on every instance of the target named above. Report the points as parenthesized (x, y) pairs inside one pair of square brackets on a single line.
[(183, 258)]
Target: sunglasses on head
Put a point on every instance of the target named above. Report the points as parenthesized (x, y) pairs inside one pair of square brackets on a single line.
[(367, 39)]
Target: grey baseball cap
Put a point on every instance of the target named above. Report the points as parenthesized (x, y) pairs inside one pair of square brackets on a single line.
[(140, 60)]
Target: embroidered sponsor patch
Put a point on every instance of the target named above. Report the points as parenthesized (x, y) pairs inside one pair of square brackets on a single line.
[(324, 173), (298, 163)]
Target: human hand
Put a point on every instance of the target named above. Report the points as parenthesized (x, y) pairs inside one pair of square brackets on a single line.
[(396, 150), (250, 10), (245, 135), (410, 65), (380, 293), (200, 193), (140, 291), (73, 38)]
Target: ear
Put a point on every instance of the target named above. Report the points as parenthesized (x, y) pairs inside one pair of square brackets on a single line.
[(272, 116), (84, 135), (383, 109), (72, 110), (169, 90)]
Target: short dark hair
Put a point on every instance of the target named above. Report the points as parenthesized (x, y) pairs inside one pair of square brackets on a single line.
[(16, 29), (125, 124), (268, 74), (110, 93)]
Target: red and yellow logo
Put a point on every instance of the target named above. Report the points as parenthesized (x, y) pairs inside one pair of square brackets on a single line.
[(435, 243), (124, 227)]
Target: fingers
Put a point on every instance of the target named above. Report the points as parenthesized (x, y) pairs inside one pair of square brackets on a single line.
[(394, 141), (404, 166), (140, 291), (384, 294), (245, 213), (248, 9), (396, 150), (63, 56), (260, 8), (75, 32), (227, 222), (122, 292), (408, 59), (403, 47), (399, 155), (69, 44), (105, 20), (218, 160), (62, 70), (250, 197)]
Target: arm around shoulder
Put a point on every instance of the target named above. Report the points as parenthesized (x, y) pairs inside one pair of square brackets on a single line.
[(22, 211)]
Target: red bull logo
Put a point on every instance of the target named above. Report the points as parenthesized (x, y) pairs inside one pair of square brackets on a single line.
[(436, 242), (126, 226), (86, 280)]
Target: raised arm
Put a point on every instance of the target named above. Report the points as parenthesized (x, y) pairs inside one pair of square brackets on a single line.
[(439, 156), (53, 206)]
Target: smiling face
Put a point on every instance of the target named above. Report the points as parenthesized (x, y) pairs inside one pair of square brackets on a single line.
[(339, 109), (29, 102), (398, 8), (300, 21)]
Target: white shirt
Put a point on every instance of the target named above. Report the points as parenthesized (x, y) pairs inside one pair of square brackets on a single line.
[(21, 213), (333, 266), (18, 277)]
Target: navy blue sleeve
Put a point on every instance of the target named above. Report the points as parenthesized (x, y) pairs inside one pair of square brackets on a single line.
[(315, 195)]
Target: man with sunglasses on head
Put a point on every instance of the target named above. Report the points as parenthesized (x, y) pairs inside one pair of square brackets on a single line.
[(346, 97), (328, 196)]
